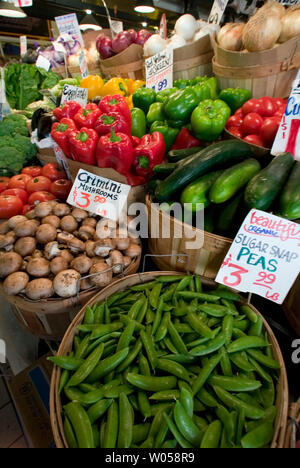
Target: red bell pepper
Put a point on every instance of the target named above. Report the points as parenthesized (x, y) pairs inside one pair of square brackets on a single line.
[(106, 122), (115, 151), (148, 154), (117, 104), (67, 110), (185, 140), (135, 141), (83, 144), (87, 116), (60, 134)]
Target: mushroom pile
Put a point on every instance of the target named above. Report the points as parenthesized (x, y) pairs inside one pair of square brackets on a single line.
[(56, 250)]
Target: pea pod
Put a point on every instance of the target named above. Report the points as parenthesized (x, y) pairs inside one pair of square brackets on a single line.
[(140, 433), (199, 326), (248, 342), (112, 427), (144, 405), (87, 367), (187, 401), (234, 384), (214, 310), (207, 398), (173, 429), (263, 359), (256, 328), (130, 356), (155, 295), (259, 437), (68, 363), (163, 328), (173, 368), (201, 296), (186, 425), (241, 361), (107, 365), (205, 373), (165, 395), (176, 339), (251, 412), (81, 424), (84, 398), (98, 409), (69, 433), (228, 423), (152, 384), (211, 347), (126, 336), (212, 436), (125, 422), (149, 348)]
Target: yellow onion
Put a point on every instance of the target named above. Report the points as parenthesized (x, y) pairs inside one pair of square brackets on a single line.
[(262, 32), (230, 36), (272, 7), (290, 25)]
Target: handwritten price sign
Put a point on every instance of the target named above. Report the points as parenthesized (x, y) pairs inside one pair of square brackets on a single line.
[(217, 11), (95, 194), (74, 93), (159, 70), (264, 258)]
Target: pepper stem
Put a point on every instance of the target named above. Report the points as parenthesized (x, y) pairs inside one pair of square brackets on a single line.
[(113, 137), (82, 136), (62, 127), (143, 162)]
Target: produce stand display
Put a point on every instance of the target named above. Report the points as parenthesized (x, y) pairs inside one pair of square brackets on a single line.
[(158, 359)]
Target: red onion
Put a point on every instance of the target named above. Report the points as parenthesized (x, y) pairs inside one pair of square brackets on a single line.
[(133, 34), (121, 42), (142, 37), (104, 47)]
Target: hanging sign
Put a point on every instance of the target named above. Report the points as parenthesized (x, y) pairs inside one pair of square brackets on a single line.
[(98, 195), (61, 159), (116, 27), (68, 24), (74, 93), (43, 62), (163, 27), (23, 45), (217, 11), (159, 70), (264, 258), (23, 3), (288, 135)]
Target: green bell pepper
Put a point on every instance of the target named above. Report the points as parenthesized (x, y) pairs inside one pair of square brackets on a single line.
[(143, 98), (163, 96), (170, 134), (182, 84), (214, 87), (176, 124), (209, 119), (198, 80), (181, 105), (235, 98), (155, 113), (139, 126), (202, 91)]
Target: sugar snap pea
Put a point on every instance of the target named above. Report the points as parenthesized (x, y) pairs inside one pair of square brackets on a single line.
[(98, 409), (234, 384), (173, 429), (81, 425), (259, 437), (187, 401), (68, 363), (248, 342), (155, 295), (251, 412), (132, 354), (176, 339), (263, 359), (112, 427), (165, 395), (214, 310), (149, 348), (210, 347), (212, 436), (125, 422), (201, 296), (152, 384), (186, 425), (205, 373), (140, 433), (173, 368), (107, 365), (199, 326), (69, 433)]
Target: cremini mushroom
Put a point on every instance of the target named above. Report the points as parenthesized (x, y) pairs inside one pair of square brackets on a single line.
[(127, 262), (117, 261), (53, 220), (67, 255), (96, 260), (15, 283), (122, 240), (37, 254), (52, 250), (38, 267), (43, 209), (68, 224), (26, 228), (12, 223), (90, 222), (106, 228), (4, 227), (41, 288), (76, 245), (82, 264), (133, 251), (90, 248), (25, 246), (64, 237), (58, 264), (61, 210), (65, 283), (79, 215), (7, 241), (103, 277), (46, 233), (31, 214), (86, 233), (10, 263), (103, 247), (85, 284)]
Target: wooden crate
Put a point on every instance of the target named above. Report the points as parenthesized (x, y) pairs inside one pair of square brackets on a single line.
[(127, 64), (193, 59)]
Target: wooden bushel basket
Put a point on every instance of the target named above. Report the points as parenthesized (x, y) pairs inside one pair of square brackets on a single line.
[(268, 73), (205, 261), (294, 419), (121, 285), (291, 306), (127, 64), (193, 59), (49, 319)]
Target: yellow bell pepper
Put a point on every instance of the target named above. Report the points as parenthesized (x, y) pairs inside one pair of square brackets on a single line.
[(129, 101), (115, 86), (136, 85), (94, 84)]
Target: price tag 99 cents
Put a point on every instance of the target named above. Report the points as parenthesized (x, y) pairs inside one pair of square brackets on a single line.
[(159, 70)]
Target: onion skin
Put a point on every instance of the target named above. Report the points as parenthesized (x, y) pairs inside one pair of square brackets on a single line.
[(272, 7), (290, 25), (262, 32), (230, 36)]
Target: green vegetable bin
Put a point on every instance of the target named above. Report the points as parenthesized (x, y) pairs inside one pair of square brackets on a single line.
[(282, 400)]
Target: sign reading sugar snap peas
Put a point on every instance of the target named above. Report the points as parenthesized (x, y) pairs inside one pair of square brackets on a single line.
[(264, 258)]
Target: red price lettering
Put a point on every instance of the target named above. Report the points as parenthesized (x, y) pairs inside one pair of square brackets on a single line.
[(102, 213), (100, 200), (273, 297), (264, 280), (86, 197), (236, 274)]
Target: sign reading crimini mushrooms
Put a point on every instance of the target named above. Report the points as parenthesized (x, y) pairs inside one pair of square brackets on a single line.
[(264, 258), (98, 195)]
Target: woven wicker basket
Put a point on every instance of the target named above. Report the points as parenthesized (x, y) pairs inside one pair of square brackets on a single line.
[(294, 421)]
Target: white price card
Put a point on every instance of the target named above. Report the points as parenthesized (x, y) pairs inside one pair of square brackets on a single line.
[(74, 93), (62, 159), (23, 3), (159, 70), (264, 258), (83, 65), (43, 62), (217, 11), (23, 45), (68, 24), (288, 135), (116, 27), (98, 195)]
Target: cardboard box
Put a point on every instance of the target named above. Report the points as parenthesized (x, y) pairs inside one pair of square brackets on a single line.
[(30, 391)]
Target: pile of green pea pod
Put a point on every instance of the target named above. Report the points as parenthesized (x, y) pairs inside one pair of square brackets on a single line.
[(167, 364)]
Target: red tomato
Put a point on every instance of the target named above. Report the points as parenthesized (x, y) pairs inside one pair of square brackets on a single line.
[(280, 102), (280, 112), (235, 131), (20, 193), (234, 121), (254, 140), (38, 184), (4, 183), (32, 171), (251, 124), (27, 208), (19, 181), (239, 113), (268, 107), (269, 131), (61, 188), (39, 197), (10, 206), (53, 172), (251, 106)]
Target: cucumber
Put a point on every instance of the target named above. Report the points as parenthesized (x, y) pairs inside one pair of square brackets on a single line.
[(232, 180), (228, 215), (164, 169), (197, 191), (289, 204), (179, 155), (264, 188), (222, 154)]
